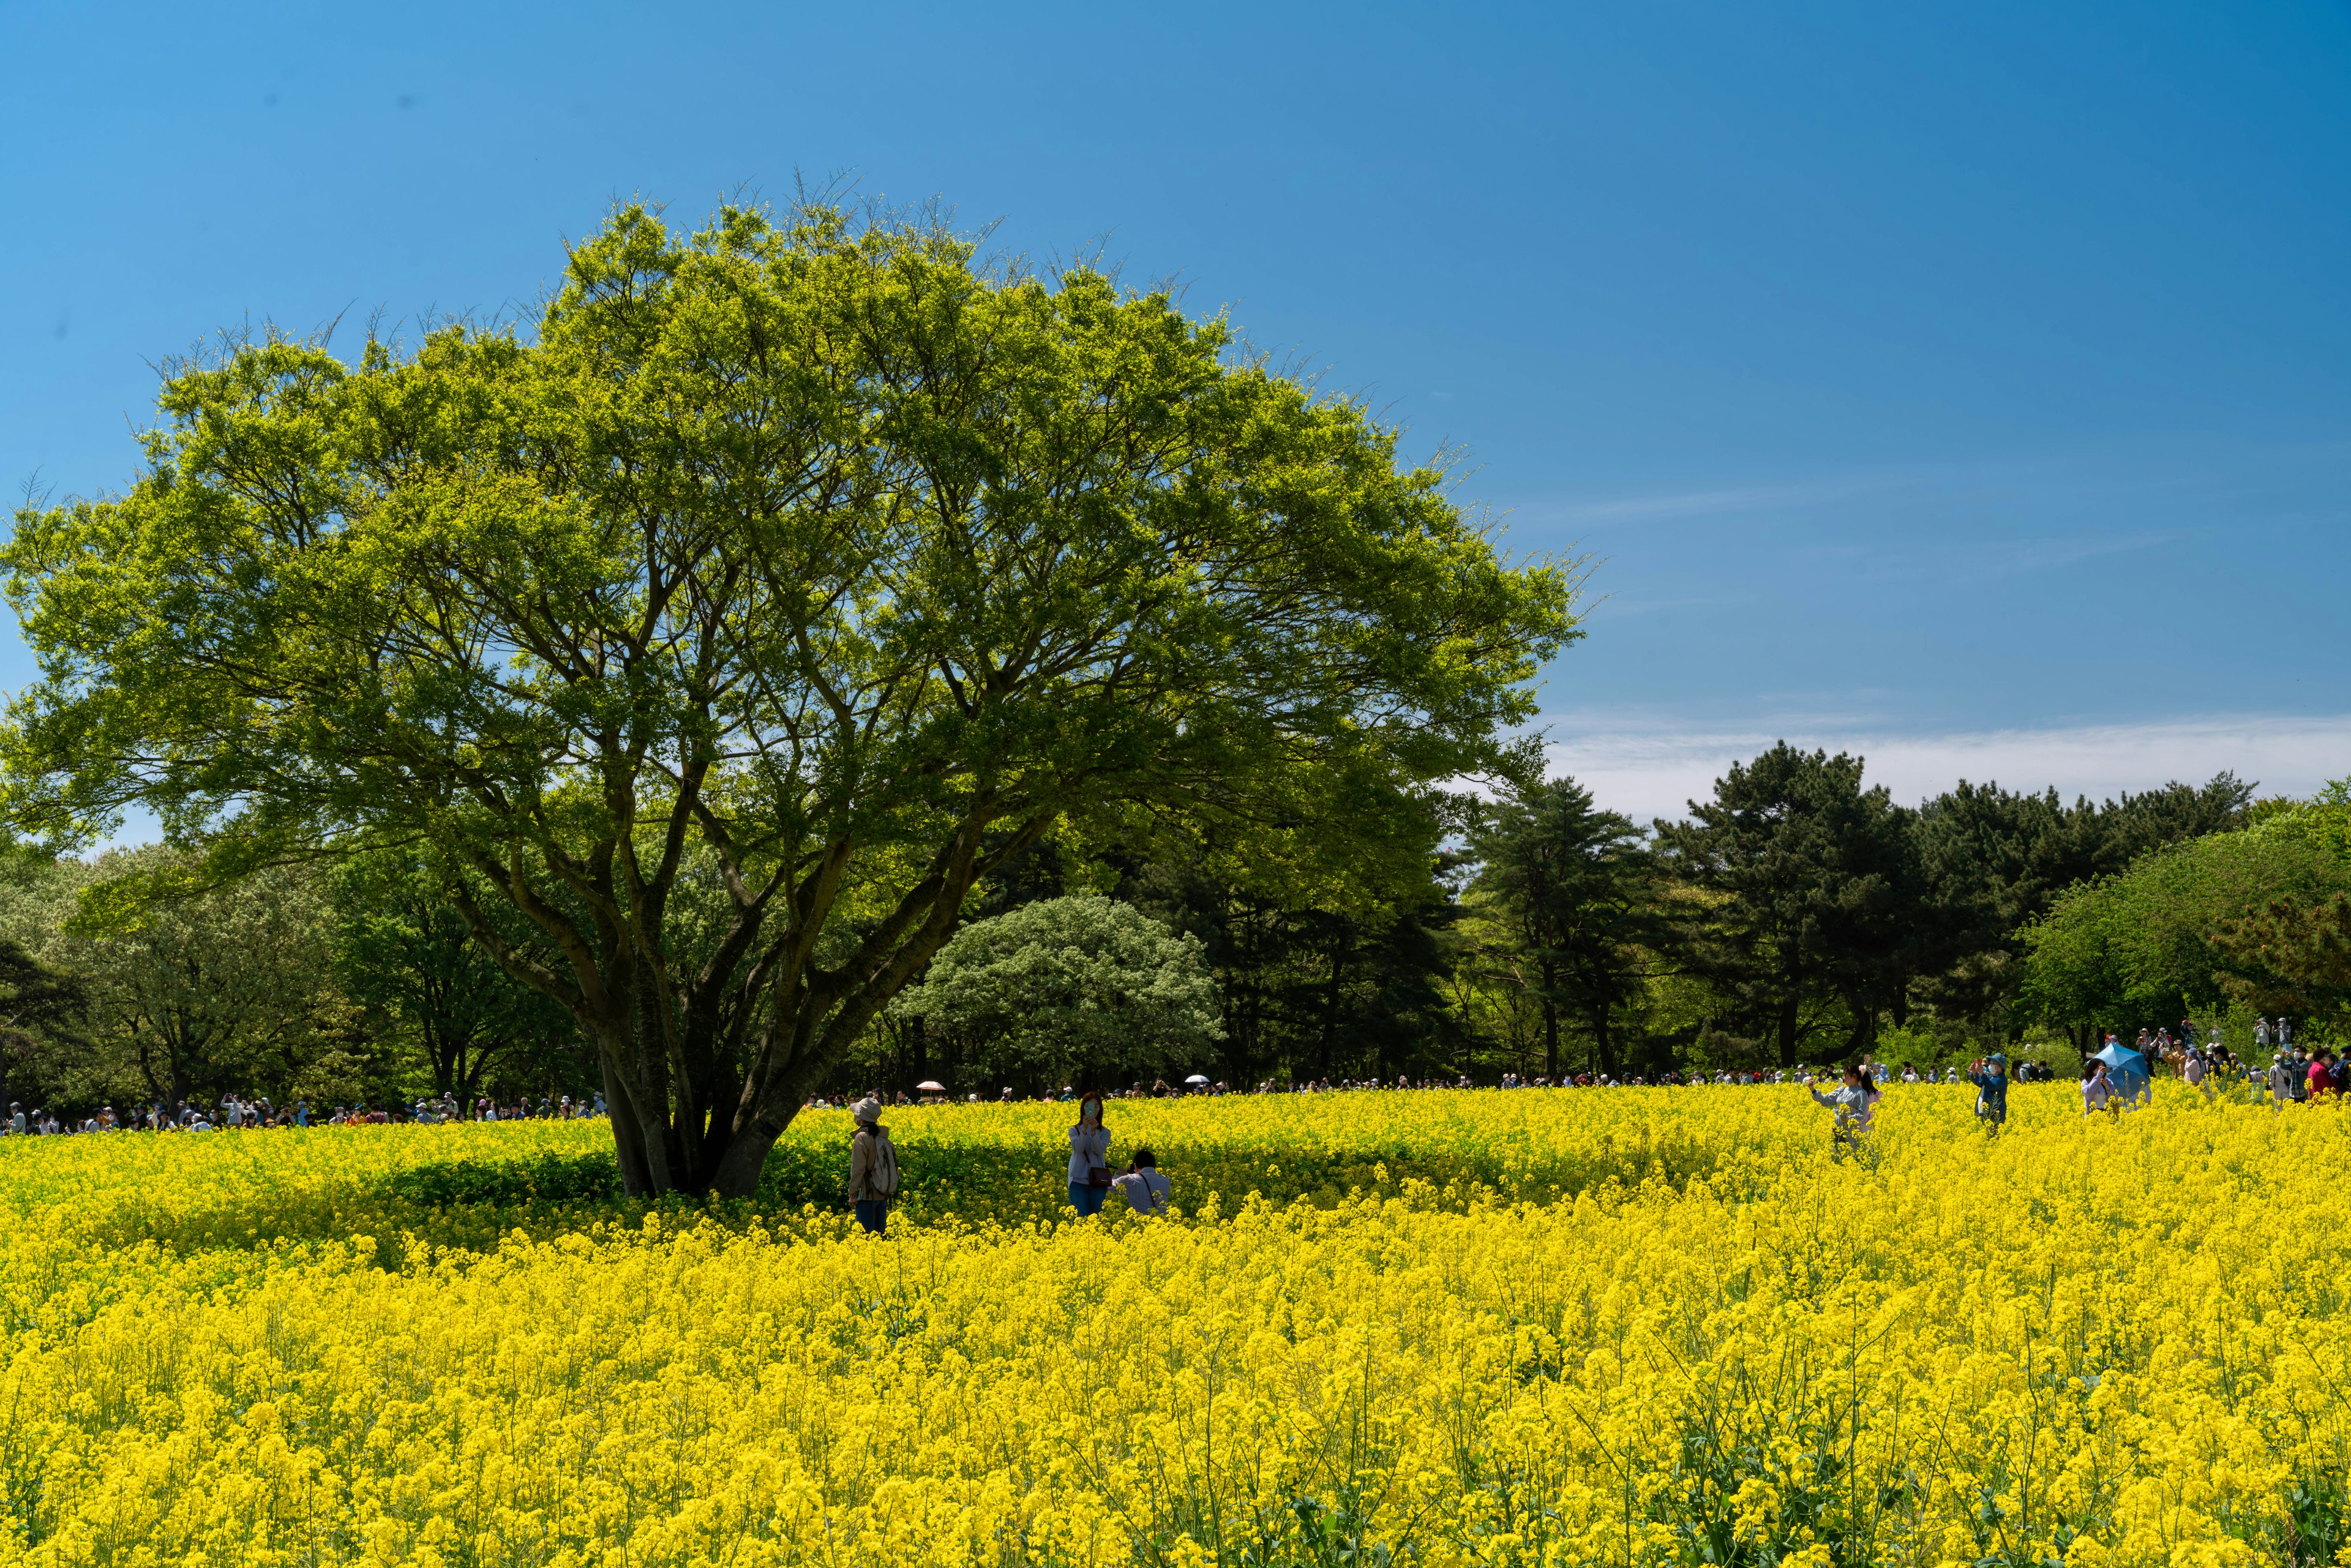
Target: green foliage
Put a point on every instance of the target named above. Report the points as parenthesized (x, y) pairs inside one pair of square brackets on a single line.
[(1578, 895), (1996, 861), (1080, 989), (808, 559), (1821, 894), (2291, 951), (204, 991), (2288, 955), (403, 951), (2139, 946)]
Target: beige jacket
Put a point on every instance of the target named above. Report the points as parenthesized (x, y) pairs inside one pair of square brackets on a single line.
[(873, 1166)]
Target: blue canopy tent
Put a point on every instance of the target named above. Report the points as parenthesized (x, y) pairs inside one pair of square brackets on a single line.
[(2128, 1068)]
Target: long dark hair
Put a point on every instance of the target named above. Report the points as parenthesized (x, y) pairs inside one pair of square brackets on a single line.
[(1096, 1101)]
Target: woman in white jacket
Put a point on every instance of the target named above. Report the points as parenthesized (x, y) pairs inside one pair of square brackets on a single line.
[(1088, 1159)]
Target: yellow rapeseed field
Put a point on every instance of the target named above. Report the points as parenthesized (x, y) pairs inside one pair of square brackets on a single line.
[(1630, 1327)]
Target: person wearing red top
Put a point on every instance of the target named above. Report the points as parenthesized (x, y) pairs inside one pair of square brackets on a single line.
[(2320, 1077)]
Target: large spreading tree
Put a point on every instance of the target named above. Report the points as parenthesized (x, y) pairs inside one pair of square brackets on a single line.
[(786, 579)]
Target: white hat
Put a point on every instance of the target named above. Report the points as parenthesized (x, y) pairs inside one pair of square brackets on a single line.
[(867, 1110)]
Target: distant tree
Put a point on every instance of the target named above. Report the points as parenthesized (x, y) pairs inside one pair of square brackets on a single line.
[(42, 1012), (45, 1049), (405, 951), (1576, 890), (2292, 956), (2163, 935), (1822, 894), (1996, 861), (196, 990), (1331, 930), (1082, 987)]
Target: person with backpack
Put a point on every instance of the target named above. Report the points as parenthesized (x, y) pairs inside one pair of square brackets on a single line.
[(1146, 1191), (1088, 1159), (872, 1167)]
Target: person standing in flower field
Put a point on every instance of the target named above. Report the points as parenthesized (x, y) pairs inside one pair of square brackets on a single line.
[(1854, 1101), (1088, 1159), (2097, 1089), (2319, 1080), (2281, 1079), (872, 1167), (1990, 1075)]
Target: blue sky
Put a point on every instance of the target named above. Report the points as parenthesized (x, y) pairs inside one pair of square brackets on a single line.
[(1967, 384)]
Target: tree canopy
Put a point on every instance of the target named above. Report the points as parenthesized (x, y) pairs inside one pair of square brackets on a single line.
[(787, 580)]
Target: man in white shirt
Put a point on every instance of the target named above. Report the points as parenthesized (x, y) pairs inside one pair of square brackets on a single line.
[(1145, 1190)]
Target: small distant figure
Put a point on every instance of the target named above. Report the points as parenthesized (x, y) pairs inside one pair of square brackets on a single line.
[(1145, 1190), (2282, 1079), (1990, 1075)]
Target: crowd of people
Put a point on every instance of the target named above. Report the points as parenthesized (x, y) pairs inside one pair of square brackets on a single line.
[(236, 1111)]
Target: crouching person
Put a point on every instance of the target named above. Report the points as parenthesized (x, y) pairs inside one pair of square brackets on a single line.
[(1144, 1188)]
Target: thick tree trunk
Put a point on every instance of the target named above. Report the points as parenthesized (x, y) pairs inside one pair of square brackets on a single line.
[(738, 1170), (1790, 1007), (628, 1136)]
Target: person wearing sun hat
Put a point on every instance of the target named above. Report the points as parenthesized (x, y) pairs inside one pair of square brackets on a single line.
[(872, 1167)]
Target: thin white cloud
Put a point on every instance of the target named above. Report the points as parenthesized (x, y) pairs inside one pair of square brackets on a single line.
[(1650, 768)]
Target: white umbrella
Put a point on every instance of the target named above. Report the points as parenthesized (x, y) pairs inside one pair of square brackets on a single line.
[(930, 1086), (1197, 1078)]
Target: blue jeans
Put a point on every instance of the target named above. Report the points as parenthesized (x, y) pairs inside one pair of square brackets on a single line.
[(873, 1214), (1087, 1199)]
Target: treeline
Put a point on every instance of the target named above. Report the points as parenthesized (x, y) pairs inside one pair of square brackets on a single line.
[(1797, 914), (357, 982)]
